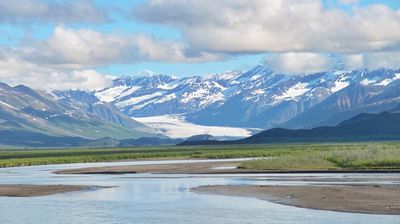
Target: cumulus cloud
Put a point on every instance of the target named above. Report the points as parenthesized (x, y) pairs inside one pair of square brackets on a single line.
[(170, 51), (282, 27), (276, 26), (373, 60), (80, 48), (87, 48), (298, 34), (39, 11), (353, 61), (14, 71), (67, 59), (299, 63), (378, 60)]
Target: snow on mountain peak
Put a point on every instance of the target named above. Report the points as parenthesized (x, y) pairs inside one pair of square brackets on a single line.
[(147, 73), (236, 96), (387, 81), (296, 90)]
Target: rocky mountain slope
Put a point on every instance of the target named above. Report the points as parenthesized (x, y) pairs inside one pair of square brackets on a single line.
[(257, 98), (25, 112), (232, 104)]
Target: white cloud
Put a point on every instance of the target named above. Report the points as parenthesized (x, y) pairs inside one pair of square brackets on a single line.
[(299, 63), (236, 26), (80, 79), (298, 33), (378, 60), (35, 11), (85, 48), (67, 59), (373, 60), (81, 48), (169, 51), (366, 37), (353, 61), (15, 71)]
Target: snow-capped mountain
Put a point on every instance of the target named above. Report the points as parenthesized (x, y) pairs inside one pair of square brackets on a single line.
[(34, 118), (231, 104), (257, 98)]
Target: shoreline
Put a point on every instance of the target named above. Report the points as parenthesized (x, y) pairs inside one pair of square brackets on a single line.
[(173, 168), (382, 199), (31, 190), (333, 193), (201, 168)]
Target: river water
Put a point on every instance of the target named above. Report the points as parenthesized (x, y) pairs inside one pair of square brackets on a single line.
[(162, 198)]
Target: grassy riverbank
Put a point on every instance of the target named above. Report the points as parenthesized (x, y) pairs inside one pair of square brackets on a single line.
[(286, 156), (370, 156), (61, 156)]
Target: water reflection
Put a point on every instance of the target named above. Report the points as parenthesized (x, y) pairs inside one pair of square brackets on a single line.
[(147, 198)]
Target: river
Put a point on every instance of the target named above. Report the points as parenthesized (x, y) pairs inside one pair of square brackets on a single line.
[(161, 198)]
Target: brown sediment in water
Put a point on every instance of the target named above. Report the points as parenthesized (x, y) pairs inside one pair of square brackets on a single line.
[(22, 190), (360, 199), (351, 196)]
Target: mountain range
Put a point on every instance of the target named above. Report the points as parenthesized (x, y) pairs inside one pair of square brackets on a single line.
[(257, 98), (383, 126), (35, 118), (228, 105)]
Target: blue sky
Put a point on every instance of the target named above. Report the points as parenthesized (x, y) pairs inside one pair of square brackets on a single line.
[(233, 38)]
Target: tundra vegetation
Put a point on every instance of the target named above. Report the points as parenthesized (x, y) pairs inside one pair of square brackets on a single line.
[(327, 156)]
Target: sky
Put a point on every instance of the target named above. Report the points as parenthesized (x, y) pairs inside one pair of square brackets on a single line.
[(83, 44)]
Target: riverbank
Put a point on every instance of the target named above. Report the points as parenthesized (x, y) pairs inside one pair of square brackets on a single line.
[(221, 167), (359, 199), (287, 157), (174, 168), (21, 190)]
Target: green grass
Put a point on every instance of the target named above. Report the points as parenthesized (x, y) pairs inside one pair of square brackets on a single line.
[(61, 156), (282, 157), (368, 156)]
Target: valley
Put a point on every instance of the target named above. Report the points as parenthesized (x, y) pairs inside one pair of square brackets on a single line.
[(177, 112), (138, 110)]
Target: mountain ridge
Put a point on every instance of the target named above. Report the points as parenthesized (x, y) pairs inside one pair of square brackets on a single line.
[(243, 102), (257, 98), (383, 126), (26, 112)]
